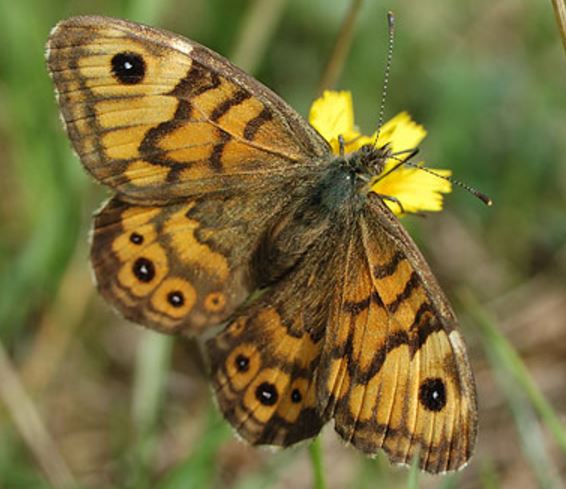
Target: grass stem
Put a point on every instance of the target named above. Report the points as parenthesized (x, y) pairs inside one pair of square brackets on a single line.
[(560, 13), (315, 452), (29, 423)]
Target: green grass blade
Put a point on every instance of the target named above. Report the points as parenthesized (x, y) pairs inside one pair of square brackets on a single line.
[(413, 477), (315, 451), (152, 363), (531, 435)]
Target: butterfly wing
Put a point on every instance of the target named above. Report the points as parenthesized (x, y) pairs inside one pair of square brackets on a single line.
[(157, 117), (263, 364), (165, 121), (394, 372), (184, 266)]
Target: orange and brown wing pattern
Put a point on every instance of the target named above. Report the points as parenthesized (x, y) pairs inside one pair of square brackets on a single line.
[(263, 364), (262, 368), (158, 117), (394, 372), (181, 267)]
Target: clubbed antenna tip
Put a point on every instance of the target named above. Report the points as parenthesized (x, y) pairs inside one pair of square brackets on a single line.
[(484, 198), (476, 193)]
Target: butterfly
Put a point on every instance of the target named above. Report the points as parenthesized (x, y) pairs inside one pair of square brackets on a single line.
[(229, 208)]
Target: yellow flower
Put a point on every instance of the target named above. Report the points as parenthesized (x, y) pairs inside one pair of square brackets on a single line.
[(332, 115)]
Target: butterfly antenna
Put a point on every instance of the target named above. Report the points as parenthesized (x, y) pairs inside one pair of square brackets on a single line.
[(476, 193), (390, 44)]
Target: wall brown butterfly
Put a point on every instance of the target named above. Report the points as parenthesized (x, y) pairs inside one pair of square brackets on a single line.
[(221, 189)]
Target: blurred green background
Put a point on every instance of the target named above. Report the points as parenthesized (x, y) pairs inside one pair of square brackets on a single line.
[(88, 400)]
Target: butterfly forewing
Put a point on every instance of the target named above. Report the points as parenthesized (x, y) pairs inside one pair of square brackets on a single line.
[(394, 372), (158, 117)]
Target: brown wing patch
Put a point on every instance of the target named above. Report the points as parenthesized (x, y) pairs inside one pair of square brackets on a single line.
[(159, 117), (179, 267), (262, 375), (263, 364), (394, 372)]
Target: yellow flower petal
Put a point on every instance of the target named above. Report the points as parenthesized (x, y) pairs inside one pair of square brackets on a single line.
[(401, 132), (416, 189), (332, 115)]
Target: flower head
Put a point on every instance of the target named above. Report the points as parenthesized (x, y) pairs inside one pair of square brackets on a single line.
[(332, 115)]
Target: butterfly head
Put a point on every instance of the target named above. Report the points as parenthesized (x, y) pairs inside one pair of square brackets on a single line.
[(367, 163)]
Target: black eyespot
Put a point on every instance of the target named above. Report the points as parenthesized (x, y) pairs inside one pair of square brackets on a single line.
[(176, 298), (296, 396), (242, 363), (144, 269), (432, 394), (128, 68), (266, 393), (136, 238)]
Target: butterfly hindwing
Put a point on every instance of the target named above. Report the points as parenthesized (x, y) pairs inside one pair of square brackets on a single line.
[(262, 371), (264, 363), (185, 266), (394, 373), (158, 117)]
